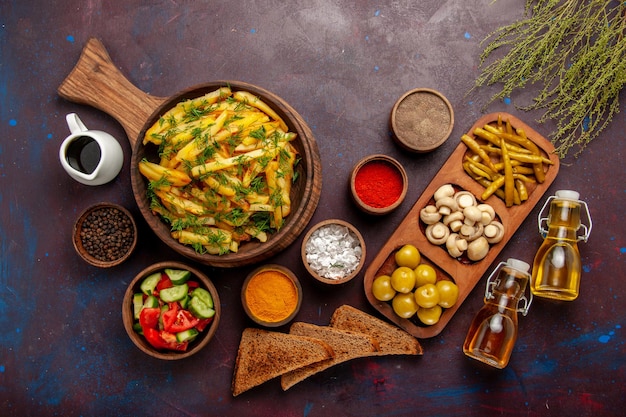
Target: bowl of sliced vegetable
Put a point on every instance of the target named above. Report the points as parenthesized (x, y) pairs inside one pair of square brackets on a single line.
[(171, 310)]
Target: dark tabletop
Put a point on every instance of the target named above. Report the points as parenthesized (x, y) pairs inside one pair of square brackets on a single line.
[(341, 65)]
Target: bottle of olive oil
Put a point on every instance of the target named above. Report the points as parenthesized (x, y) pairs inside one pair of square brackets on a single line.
[(557, 265), (493, 332)]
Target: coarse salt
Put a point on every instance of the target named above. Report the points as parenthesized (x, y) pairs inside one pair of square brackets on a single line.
[(333, 251)]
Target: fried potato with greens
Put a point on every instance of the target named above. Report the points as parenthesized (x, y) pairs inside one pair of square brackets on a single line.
[(225, 170)]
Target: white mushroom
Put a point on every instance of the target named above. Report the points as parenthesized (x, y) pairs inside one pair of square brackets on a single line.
[(446, 190), (429, 214), (437, 233), (456, 245), (452, 217), (454, 221), (488, 213), (472, 215), (478, 249), (446, 205), (494, 232), (451, 245), (471, 233), (465, 199), (455, 226)]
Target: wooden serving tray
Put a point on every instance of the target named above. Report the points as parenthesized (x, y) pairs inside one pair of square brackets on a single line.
[(96, 81), (465, 274)]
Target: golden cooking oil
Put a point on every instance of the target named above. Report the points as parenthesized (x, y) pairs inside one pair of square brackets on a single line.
[(557, 265), (492, 334)]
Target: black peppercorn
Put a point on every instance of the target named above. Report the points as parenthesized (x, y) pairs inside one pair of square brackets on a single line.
[(107, 234)]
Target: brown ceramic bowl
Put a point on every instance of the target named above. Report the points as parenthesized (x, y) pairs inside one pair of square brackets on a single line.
[(304, 195), (328, 246), (126, 236), (371, 207), (421, 120), (128, 318), (253, 311)]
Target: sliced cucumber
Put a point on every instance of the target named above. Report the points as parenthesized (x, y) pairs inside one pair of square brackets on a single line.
[(175, 293), (184, 303), (150, 282), (137, 305), (178, 276), (200, 309), (204, 295), (187, 335), (137, 328), (151, 302)]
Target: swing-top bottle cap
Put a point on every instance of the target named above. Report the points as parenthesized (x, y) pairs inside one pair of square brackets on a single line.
[(517, 264), (567, 194)]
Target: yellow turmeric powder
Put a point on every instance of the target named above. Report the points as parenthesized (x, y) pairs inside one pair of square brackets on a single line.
[(271, 296)]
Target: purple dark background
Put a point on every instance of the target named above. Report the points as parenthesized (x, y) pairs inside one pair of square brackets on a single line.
[(341, 65)]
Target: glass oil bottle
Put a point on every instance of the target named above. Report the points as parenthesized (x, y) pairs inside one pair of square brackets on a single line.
[(557, 264), (493, 332)]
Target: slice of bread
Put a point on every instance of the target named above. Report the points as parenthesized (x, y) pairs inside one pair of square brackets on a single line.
[(264, 355), (345, 344), (391, 339)]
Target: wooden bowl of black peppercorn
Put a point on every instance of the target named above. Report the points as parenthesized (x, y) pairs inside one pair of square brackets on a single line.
[(105, 235)]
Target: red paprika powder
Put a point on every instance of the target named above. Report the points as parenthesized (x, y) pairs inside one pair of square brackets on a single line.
[(378, 184)]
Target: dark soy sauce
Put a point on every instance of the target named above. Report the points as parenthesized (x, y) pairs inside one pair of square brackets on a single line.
[(83, 154)]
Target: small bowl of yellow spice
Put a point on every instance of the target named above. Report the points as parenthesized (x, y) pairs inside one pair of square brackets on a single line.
[(271, 295)]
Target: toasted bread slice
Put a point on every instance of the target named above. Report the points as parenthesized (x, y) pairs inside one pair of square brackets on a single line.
[(345, 344), (264, 355), (391, 339)]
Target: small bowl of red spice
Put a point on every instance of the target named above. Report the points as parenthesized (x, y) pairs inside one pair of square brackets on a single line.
[(378, 184), (271, 295)]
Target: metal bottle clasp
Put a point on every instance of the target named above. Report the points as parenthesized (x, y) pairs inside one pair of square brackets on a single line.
[(493, 280), (585, 227)]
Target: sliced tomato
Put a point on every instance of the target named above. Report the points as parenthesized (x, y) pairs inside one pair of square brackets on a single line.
[(169, 316), (163, 340), (203, 323), (170, 341), (153, 337), (177, 320), (164, 283), (149, 318), (193, 284)]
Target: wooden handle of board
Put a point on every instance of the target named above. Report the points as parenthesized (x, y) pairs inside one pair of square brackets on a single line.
[(95, 81)]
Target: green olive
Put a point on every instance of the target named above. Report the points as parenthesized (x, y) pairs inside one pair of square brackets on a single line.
[(403, 279), (448, 293), (382, 289), (404, 305), (427, 296), (425, 274), (408, 256), (429, 316)]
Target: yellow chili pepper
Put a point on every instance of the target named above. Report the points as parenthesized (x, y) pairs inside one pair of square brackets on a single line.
[(509, 182), (492, 187), (521, 189), (475, 147), (481, 169)]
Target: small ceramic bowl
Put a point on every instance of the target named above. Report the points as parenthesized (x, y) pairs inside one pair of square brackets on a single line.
[(337, 242), (108, 247), (378, 184), (129, 320), (421, 120), (262, 299)]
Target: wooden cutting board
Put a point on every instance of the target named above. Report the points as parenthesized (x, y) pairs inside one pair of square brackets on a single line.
[(465, 274), (96, 81)]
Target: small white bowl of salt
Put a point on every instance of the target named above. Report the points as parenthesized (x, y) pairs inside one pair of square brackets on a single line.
[(333, 251)]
